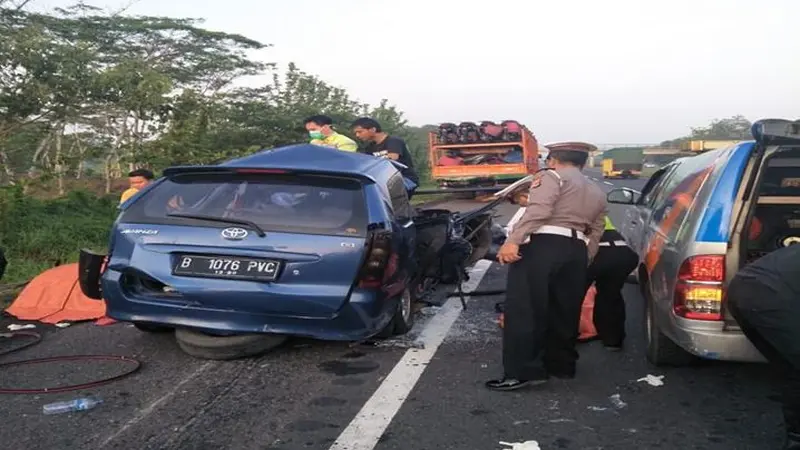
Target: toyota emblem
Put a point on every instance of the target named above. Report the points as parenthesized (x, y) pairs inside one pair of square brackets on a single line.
[(234, 234)]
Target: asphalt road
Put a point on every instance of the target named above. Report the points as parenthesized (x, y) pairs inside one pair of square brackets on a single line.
[(312, 395)]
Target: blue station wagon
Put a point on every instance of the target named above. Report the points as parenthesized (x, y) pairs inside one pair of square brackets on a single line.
[(296, 241), (696, 222)]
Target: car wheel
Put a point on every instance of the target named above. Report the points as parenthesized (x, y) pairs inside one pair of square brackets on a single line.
[(151, 328), (661, 351), (205, 346), (403, 319)]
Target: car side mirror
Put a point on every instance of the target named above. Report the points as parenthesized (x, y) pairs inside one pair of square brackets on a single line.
[(623, 196)]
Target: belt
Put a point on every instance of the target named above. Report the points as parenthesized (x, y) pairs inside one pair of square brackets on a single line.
[(561, 231), (614, 244)]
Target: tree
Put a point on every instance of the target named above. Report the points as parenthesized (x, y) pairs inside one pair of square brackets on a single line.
[(83, 89), (732, 128)]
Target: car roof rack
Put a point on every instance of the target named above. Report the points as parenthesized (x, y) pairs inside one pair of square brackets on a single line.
[(776, 132)]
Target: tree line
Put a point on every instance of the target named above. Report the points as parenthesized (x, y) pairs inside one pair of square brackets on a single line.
[(87, 93), (735, 128)]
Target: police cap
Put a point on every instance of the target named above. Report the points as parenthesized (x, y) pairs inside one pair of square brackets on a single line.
[(571, 152)]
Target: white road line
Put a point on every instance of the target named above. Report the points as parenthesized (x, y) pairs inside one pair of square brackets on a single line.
[(606, 182), (143, 413), (593, 178), (369, 424)]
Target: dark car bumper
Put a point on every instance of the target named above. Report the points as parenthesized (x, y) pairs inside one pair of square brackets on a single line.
[(364, 315)]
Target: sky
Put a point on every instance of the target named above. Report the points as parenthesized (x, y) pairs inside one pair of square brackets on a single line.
[(610, 71)]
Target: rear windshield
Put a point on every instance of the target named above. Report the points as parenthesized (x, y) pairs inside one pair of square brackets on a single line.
[(301, 204), (781, 176)]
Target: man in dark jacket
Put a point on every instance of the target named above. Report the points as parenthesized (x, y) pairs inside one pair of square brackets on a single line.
[(764, 298), (379, 143)]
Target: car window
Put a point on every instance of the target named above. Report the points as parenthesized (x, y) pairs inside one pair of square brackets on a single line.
[(676, 201), (303, 204), (651, 188), (781, 177), (399, 196)]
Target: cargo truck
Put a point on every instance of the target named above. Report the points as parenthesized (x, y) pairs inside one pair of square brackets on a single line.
[(623, 162), (486, 155)]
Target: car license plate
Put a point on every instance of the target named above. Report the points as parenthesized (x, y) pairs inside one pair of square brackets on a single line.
[(227, 267)]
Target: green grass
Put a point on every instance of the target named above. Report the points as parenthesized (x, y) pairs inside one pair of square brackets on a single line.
[(38, 234)]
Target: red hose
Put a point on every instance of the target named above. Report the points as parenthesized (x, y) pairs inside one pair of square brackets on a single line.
[(135, 365)]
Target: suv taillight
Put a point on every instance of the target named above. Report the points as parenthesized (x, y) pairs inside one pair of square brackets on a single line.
[(380, 262), (699, 289)]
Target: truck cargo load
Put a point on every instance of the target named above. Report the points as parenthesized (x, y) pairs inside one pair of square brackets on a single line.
[(485, 153), (623, 162)]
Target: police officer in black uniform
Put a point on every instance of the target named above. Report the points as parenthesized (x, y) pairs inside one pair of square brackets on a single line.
[(764, 298), (609, 271), (548, 250)]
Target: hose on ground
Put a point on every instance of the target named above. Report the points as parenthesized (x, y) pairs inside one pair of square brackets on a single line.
[(133, 364)]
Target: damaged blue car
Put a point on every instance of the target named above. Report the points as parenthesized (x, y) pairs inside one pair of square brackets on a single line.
[(297, 241)]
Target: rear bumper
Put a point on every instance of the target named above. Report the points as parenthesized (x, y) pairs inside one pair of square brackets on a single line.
[(363, 316), (711, 341)]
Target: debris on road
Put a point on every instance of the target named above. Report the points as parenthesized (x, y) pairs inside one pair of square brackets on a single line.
[(430, 310), (653, 380), (527, 445), (17, 327), (79, 404), (63, 324), (397, 343), (596, 408), (617, 401)]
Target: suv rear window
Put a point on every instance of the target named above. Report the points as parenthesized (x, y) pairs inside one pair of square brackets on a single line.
[(781, 176), (289, 203)]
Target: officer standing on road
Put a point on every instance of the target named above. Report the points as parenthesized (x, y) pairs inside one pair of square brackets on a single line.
[(609, 271), (547, 251), (764, 298)]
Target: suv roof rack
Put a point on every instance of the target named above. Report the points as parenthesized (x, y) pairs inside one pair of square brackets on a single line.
[(776, 131)]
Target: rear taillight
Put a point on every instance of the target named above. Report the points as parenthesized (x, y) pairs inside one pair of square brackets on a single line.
[(380, 262), (699, 289)]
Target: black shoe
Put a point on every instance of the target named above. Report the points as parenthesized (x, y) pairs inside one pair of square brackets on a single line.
[(512, 384)]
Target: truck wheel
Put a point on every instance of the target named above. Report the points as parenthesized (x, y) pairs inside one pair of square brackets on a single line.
[(151, 328), (661, 351), (403, 319), (205, 346)]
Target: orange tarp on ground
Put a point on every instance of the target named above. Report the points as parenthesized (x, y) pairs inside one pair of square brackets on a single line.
[(55, 296)]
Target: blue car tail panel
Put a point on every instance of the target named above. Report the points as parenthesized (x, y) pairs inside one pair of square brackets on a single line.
[(715, 222), (314, 228)]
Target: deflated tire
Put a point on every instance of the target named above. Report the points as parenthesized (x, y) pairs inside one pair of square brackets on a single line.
[(205, 346)]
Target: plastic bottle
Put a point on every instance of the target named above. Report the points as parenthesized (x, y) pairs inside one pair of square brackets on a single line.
[(79, 404)]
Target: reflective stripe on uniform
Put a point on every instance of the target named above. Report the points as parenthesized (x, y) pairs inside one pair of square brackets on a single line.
[(609, 225), (616, 244)]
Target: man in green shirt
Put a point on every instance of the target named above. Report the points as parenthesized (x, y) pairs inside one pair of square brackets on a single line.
[(608, 271), (320, 130)]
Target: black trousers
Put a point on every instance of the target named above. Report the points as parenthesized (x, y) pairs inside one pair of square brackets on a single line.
[(771, 320), (609, 271), (544, 294)]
